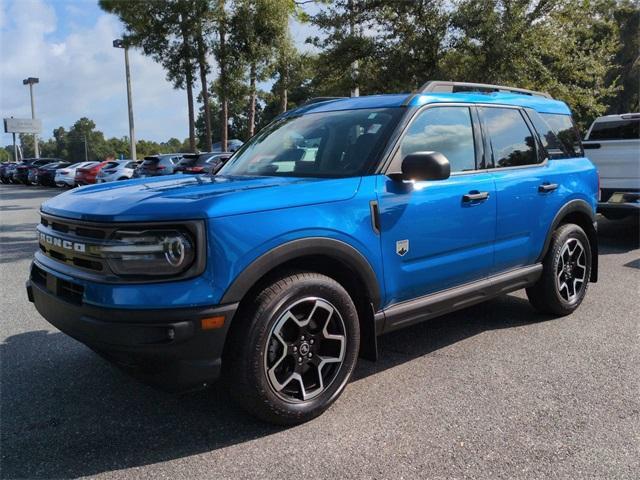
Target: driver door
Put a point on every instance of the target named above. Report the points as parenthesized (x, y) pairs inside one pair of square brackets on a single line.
[(438, 234)]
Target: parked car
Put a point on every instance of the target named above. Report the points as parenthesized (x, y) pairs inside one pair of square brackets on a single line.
[(117, 170), (6, 171), (156, 165), (47, 173), (613, 145), (87, 175), (21, 173), (232, 145), (66, 177), (202, 162), (285, 266)]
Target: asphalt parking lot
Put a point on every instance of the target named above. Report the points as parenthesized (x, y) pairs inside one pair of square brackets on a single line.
[(493, 391)]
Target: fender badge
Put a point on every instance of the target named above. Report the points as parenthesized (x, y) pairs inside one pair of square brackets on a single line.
[(402, 247)]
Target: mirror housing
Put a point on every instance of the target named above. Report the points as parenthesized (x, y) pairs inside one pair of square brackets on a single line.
[(422, 166)]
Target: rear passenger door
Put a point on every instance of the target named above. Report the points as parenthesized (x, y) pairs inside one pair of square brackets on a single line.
[(524, 186)]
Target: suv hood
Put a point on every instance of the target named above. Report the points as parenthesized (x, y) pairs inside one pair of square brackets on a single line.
[(182, 197)]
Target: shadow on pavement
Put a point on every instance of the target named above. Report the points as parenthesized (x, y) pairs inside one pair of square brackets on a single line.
[(19, 192), (618, 236), (68, 413)]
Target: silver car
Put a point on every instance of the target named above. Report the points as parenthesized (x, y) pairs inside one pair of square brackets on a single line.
[(117, 170), (65, 177)]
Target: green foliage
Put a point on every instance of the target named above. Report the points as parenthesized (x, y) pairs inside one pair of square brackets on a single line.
[(627, 60), (70, 145), (584, 52)]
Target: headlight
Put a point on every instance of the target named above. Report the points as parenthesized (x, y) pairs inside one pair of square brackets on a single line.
[(149, 252)]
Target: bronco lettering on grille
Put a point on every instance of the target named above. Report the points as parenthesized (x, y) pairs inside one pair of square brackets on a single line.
[(66, 244)]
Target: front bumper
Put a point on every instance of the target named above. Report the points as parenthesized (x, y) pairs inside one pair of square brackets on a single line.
[(167, 347)]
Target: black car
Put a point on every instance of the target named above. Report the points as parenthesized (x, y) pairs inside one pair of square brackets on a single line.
[(202, 162), (6, 169), (47, 173), (21, 174)]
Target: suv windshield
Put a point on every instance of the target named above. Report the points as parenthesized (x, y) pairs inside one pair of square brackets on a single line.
[(328, 144)]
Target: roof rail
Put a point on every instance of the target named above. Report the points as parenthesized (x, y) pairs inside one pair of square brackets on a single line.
[(455, 87), (319, 99)]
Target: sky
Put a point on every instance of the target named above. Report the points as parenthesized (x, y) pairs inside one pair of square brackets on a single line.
[(67, 44)]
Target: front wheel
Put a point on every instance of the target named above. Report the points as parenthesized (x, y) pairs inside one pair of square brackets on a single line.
[(293, 349), (566, 271)]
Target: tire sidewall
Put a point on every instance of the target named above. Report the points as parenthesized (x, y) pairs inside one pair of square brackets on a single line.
[(564, 234), (320, 287)]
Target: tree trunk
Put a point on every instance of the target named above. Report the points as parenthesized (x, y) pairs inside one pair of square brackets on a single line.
[(192, 130), (284, 79), (189, 84), (222, 60), (202, 60), (252, 99), (285, 100), (224, 120)]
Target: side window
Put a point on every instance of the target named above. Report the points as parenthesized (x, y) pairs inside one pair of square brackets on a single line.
[(616, 130), (549, 139), (566, 131), (511, 141), (447, 130)]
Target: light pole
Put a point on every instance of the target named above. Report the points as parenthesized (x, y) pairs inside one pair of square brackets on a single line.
[(31, 81), (119, 43)]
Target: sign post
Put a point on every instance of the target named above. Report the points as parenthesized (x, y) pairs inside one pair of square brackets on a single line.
[(21, 125), (31, 81)]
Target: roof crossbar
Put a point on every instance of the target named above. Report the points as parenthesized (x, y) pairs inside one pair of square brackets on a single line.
[(442, 86)]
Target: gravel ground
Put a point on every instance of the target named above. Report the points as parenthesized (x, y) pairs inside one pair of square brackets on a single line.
[(493, 391)]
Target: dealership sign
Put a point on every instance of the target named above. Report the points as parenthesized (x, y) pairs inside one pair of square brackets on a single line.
[(22, 125)]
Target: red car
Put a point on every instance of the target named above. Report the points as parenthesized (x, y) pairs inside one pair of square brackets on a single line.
[(87, 176)]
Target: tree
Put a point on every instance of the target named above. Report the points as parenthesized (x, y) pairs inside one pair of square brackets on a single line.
[(223, 57), (259, 28), (543, 45), (627, 60), (347, 53), (164, 31), (85, 142)]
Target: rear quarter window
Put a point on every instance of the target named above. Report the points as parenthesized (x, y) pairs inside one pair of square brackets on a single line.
[(566, 131), (616, 130)]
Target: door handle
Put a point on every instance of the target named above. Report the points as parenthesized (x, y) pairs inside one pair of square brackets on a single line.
[(475, 196), (547, 187)]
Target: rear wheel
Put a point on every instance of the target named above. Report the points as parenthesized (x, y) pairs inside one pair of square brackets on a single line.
[(566, 271), (293, 349)]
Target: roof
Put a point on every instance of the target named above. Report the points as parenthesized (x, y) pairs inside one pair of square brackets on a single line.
[(538, 103)]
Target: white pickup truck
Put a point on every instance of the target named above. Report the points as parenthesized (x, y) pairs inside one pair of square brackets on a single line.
[(612, 143)]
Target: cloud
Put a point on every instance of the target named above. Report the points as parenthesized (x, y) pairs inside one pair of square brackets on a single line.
[(80, 72)]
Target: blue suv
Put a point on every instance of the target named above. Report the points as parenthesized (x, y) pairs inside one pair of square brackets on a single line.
[(342, 220)]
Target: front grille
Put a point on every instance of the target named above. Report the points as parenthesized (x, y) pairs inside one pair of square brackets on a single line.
[(68, 291), (73, 243)]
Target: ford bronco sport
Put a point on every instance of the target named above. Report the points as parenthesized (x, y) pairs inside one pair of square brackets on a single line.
[(342, 220)]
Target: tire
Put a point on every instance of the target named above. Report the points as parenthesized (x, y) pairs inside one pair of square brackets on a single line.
[(261, 372), (566, 271)]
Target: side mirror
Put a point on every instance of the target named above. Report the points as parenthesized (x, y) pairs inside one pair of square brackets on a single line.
[(424, 166)]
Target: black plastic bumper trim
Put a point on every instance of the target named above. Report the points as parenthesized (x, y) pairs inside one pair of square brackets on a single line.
[(165, 347)]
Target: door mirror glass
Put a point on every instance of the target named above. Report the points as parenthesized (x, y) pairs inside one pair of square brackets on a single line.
[(425, 166)]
